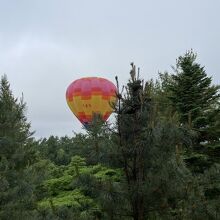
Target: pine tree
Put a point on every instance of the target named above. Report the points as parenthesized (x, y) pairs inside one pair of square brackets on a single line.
[(197, 102), (157, 184), (16, 156)]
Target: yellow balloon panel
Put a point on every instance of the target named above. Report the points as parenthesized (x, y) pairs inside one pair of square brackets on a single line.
[(96, 104)]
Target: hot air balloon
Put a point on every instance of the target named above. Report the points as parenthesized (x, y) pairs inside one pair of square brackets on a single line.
[(89, 96)]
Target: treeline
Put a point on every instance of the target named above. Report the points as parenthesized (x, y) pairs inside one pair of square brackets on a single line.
[(159, 160)]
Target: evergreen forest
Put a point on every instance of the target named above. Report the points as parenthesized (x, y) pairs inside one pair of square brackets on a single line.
[(158, 159)]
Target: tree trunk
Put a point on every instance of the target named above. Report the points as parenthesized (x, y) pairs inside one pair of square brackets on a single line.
[(138, 208)]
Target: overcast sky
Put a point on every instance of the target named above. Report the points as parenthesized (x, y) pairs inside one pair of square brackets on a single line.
[(46, 44)]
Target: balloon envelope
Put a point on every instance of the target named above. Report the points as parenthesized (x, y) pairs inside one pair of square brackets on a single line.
[(91, 95)]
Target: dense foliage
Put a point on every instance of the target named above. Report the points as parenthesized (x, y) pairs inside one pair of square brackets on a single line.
[(159, 160), (198, 105), (16, 157)]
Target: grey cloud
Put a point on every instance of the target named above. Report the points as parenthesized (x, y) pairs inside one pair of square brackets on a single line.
[(45, 45)]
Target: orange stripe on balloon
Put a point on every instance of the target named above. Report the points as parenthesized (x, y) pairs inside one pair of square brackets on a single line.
[(85, 97)]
